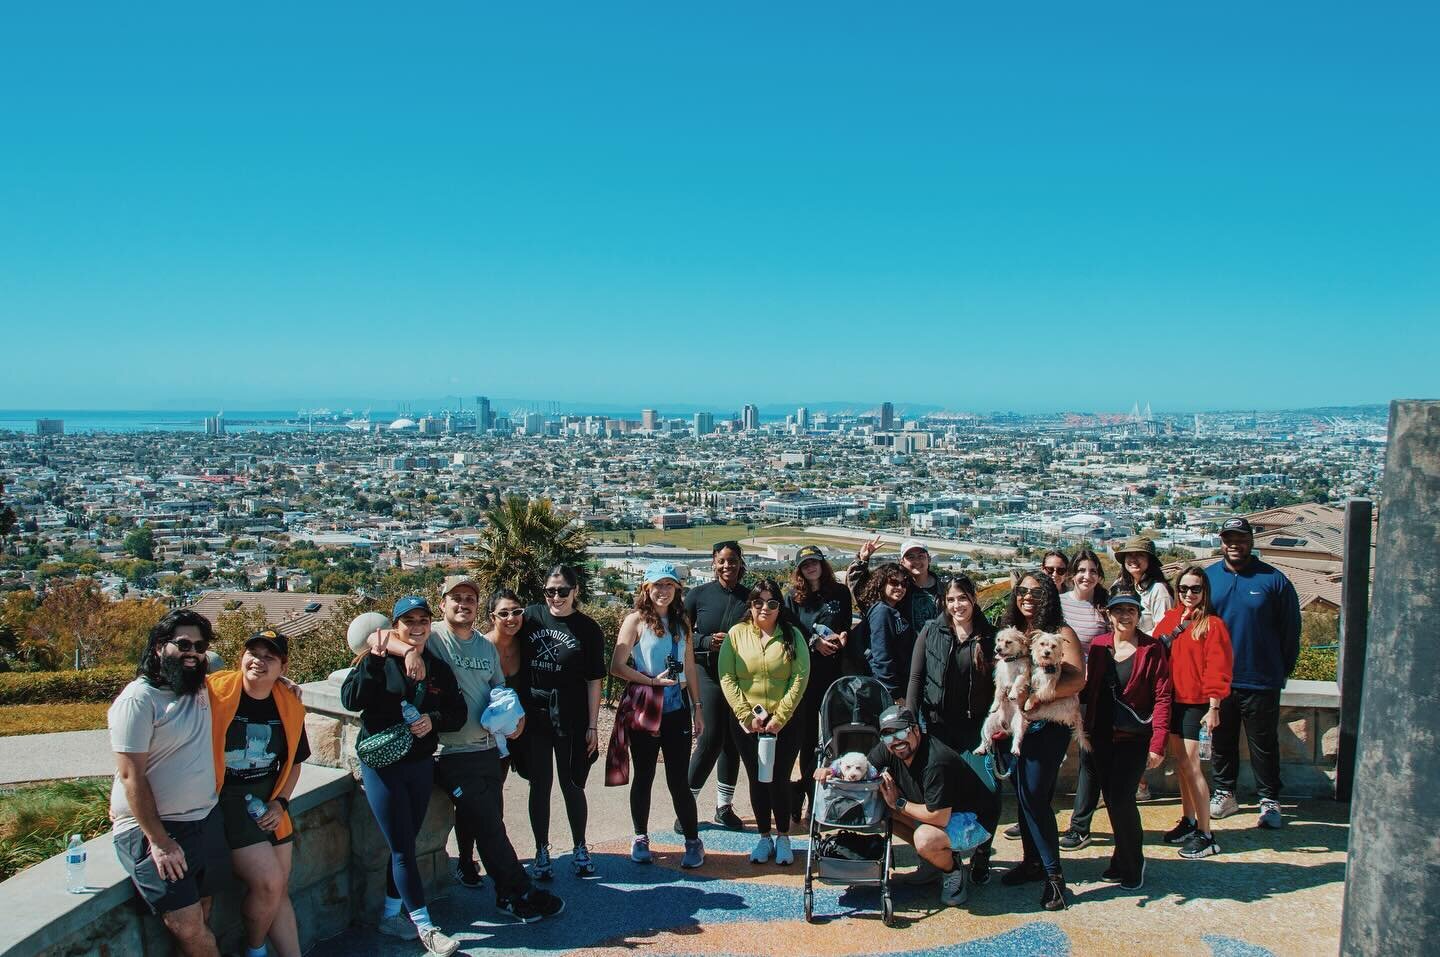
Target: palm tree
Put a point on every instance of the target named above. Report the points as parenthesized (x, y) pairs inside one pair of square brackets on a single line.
[(523, 539)]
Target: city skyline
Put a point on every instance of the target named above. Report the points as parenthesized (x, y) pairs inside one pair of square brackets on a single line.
[(985, 209)]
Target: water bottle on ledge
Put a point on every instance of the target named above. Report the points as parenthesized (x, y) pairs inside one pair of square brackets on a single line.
[(1206, 749), (409, 712), (254, 807), (75, 865)]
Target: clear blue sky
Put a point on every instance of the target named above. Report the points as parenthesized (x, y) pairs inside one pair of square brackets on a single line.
[(980, 206)]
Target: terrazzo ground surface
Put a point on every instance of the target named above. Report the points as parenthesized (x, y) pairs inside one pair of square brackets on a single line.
[(1268, 893)]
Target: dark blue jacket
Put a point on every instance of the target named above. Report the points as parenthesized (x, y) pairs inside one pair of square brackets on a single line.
[(892, 643), (1260, 608)]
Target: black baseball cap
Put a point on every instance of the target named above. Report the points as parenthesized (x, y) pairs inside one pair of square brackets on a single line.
[(277, 642), (1237, 525), (897, 718), (808, 552)]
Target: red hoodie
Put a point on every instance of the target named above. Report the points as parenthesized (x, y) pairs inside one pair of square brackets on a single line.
[(1199, 668)]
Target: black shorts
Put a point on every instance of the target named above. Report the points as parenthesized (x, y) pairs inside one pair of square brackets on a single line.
[(240, 828), (1185, 720), (207, 863)]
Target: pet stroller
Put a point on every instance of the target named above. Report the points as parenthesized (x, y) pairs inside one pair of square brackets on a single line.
[(849, 821)]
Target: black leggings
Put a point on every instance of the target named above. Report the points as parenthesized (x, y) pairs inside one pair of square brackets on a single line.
[(823, 672), (717, 740), (549, 755), (773, 797), (674, 742)]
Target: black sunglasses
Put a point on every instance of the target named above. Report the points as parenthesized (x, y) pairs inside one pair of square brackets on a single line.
[(769, 604), (562, 591), (1190, 589), (1025, 590), (185, 644)]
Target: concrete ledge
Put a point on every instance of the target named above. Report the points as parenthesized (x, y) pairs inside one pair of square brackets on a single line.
[(1310, 694)]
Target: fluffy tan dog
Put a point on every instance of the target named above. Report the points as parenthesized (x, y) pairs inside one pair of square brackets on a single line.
[(1012, 676), (1043, 705)]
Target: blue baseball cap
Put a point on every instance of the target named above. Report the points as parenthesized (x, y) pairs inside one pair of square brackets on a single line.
[(410, 603), (661, 570), (1123, 598)]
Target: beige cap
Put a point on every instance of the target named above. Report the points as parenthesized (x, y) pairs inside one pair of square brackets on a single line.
[(453, 582)]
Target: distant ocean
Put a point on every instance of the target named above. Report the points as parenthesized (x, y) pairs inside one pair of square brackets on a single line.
[(89, 420)]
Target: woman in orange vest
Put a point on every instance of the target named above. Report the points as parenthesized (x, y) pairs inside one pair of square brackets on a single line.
[(257, 729)]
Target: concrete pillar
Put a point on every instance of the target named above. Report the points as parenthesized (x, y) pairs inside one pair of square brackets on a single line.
[(1354, 636), (1392, 887)]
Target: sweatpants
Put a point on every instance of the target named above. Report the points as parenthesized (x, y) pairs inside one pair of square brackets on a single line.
[(1259, 711), (399, 795), (645, 749), (474, 781), (1119, 765)]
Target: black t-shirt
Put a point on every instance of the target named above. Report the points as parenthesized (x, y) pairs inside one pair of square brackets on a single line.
[(936, 777), (561, 655), (713, 608), (255, 741)]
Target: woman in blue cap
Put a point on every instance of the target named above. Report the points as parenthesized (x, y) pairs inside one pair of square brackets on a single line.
[(398, 790), (654, 648)]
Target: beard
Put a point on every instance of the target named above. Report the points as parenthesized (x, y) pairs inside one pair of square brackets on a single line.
[(183, 680)]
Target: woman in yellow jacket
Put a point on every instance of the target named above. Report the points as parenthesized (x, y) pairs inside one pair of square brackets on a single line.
[(257, 729), (764, 666)]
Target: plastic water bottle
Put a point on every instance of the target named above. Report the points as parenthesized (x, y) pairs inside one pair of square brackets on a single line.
[(75, 865), (1206, 749), (254, 807), (409, 712)]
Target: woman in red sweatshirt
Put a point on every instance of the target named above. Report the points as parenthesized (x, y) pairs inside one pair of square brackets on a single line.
[(1201, 661), (1127, 713)]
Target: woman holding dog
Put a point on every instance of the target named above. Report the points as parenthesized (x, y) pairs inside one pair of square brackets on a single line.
[(1201, 661), (1127, 714), (1035, 609)]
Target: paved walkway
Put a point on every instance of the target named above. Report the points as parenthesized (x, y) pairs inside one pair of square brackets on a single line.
[(44, 757), (1267, 893)]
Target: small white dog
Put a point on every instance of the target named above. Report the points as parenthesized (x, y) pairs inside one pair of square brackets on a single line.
[(1045, 659), (1012, 675), (851, 766)]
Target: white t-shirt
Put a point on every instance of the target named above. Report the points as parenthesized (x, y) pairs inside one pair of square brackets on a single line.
[(173, 732), (1155, 602)]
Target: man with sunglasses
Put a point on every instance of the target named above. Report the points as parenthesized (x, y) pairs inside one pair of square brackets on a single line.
[(168, 831)]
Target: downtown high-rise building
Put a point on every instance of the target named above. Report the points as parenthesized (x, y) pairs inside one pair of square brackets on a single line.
[(484, 415), (887, 416), (750, 418), (802, 419), (649, 420), (704, 423)]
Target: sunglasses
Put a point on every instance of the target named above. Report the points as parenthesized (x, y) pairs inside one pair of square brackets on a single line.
[(563, 591), (890, 737), (1055, 569), (185, 644), (509, 613), (769, 604), (1024, 591), (1190, 589)]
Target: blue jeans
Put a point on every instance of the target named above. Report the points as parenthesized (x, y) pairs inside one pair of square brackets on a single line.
[(399, 795), (1036, 769)]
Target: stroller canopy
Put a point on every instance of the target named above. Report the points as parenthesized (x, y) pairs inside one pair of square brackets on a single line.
[(851, 709)]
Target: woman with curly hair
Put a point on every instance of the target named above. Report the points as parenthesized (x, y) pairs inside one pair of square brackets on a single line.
[(655, 648), (1034, 608), (892, 635)]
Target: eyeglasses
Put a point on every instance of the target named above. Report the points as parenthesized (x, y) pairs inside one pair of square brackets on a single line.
[(890, 737), (562, 591), (1190, 589), (769, 604), (1025, 591), (509, 613), (185, 644)]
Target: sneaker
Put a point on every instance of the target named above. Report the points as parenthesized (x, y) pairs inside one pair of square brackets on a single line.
[(398, 925), (1142, 793), (764, 849), (542, 869), (1137, 882), (1199, 845), (517, 908), (1074, 840), (1023, 873), (437, 943), (580, 860), (980, 868), (725, 816), (953, 888), (1222, 805), (1180, 832), (1012, 833), (694, 854), (640, 849), (925, 873), (469, 875), (784, 856), (542, 903), (1111, 875), (1053, 897), (1270, 815)]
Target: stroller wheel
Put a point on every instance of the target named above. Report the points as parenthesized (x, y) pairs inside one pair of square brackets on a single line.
[(887, 911), (809, 906)]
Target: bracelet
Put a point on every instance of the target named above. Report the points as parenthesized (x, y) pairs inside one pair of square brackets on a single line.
[(284, 803)]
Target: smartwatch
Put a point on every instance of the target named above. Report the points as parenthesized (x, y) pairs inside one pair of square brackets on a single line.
[(900, 803)]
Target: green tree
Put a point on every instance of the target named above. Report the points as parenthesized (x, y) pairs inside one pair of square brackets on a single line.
[(523, 539), (141, 543)]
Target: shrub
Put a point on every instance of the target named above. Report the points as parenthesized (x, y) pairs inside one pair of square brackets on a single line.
[(48, 687), (36, 822), (1316, 664)]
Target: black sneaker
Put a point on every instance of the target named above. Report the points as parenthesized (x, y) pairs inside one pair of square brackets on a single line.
[(980, 868), (1199, 845), (1012, 833), (1074, 840), (542, 903), (1137, 882), (469, 875), (518, 908), (1180, 832), (1023, 873), (1053, 897), (725, 816), (1111, 876)]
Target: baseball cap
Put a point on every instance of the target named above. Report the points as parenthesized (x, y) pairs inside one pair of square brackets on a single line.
[(410, 603), (659, 570), (910, 543), (1123, 598), (453, 582), (1241, 525), (269, 636), (896, 718), (808, 552)]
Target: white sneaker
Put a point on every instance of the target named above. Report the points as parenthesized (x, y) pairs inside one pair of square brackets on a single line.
[(437, 943), (783, 854), (1222, 805), (764, 848), (398, 925)]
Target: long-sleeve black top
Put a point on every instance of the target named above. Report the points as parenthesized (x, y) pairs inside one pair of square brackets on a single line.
[(376, 686)]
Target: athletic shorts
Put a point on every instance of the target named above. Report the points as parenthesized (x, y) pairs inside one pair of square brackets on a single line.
[(207, 863), (1185, 720), (240, 828)]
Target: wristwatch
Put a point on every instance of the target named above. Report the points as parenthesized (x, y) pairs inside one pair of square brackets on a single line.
[(900, 803)]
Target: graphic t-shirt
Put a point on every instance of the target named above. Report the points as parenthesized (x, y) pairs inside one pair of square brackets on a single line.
[(476, 665), (561, 656), (255, 743)]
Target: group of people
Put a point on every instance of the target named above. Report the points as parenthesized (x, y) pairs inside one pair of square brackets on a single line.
[(717, 677)]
